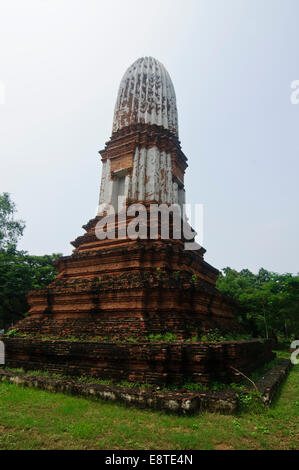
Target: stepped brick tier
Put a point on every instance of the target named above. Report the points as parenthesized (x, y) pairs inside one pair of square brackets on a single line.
[(126, 288), (133, 304), (129, 288), (152, 363)]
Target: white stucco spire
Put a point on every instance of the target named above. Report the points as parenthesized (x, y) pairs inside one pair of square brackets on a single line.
[(146, 95)]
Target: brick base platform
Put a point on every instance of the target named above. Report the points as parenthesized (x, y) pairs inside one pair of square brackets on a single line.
[(152, 363), (176, 401)]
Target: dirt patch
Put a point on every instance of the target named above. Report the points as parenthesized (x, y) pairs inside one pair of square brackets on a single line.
[(223, 446)]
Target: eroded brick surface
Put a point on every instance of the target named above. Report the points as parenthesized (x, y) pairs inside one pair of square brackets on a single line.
[(153, 363)]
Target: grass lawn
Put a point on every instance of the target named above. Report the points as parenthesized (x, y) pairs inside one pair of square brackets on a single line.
[(33, 419)]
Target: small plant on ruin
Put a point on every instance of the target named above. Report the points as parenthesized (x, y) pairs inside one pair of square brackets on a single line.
[(237, 387), (161, 337), (45, 373), (216, 336), (16, 370), (194, 278), (193, 339), (159, 273), (100, 339), (131, 339), (195, 387), (12, 332), (125, 383), (90, 380), (176, 275), (212, 336), (251, 401), (215, 386), (73, 338)]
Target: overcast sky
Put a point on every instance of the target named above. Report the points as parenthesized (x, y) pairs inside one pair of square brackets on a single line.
[(232, 63)]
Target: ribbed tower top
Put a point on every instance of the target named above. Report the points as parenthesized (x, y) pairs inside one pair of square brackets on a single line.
[(146, 95)]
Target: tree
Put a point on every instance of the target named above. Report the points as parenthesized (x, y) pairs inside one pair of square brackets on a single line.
[(10, 229), (19, 271), (268, 302)]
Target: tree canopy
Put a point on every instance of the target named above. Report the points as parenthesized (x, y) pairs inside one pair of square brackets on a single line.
[(10, 229), (19, 271), (268, 301)]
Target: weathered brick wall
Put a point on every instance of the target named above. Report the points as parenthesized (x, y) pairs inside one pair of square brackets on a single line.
[(130, 305), (178, 401), (156, 363)]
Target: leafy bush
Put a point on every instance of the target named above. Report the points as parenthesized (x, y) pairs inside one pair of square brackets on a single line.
[(251, 401)]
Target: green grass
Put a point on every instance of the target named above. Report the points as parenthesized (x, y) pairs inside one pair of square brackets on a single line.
[(34, 419)]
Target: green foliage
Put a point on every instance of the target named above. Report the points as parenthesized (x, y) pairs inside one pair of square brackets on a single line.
[(251, 401), (217, 336), (90, 380), (159, 273), (127, 384), (10, 229), (165, 337), (268, 302), (132, 339), (12, 332), (19, 271), (195, 387), (212, 336), (16, 369), (44, 373), (215, 386), (237, 387), (200, 387)]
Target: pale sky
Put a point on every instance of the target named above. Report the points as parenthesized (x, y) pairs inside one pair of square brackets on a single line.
[(232, 63)]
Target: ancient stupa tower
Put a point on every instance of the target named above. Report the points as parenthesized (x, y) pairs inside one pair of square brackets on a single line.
[(143, 160), (123, 287), (113, 295)]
